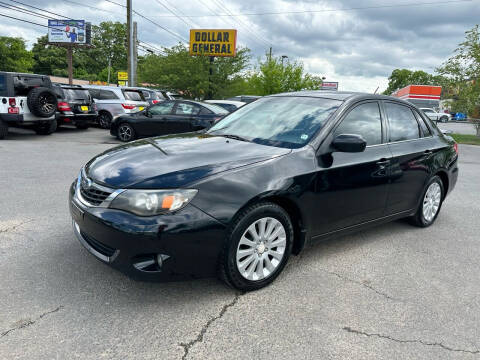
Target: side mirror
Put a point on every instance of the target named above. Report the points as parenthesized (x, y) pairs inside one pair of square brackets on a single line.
[(349, 143)]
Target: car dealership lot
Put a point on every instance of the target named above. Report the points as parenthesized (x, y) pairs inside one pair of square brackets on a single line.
[(394, 291)]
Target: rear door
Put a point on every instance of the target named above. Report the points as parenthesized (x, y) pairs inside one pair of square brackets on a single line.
[(184, 116), (156, 121), (412, 150)]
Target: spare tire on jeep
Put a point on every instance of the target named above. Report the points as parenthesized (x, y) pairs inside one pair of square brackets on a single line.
[(42, 102)]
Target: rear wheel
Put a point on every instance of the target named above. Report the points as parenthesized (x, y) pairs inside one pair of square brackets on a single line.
[(257, 247), (429, 208), (444, 119), (46, 129), (104, 120), (3, 129), (125, 132)]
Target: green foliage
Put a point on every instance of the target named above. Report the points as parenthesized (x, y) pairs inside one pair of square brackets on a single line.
[(272, 77), (403, 77), (462, 70), (14, 56)]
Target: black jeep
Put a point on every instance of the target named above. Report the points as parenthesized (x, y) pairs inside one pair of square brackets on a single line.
[(75, 106)]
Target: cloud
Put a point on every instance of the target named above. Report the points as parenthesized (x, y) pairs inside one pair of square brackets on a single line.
[(359, 48)]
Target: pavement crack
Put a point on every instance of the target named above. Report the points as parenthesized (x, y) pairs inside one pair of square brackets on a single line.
[(187, 346), (25, 323), (14, 227), (362, 283), (415, 341)]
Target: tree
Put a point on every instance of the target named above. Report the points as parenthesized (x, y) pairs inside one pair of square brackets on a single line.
[(49, 59), (272, 77), (177, 70), (403, 77), (462, 70), (14, 56)]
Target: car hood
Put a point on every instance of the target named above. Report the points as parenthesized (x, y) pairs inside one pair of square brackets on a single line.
[(174, 161)]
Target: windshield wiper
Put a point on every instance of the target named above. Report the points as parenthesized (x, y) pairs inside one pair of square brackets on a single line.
[(235, 137)]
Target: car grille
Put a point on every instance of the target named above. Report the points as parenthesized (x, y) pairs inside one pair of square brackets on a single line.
[(98, 246), (91, 193)]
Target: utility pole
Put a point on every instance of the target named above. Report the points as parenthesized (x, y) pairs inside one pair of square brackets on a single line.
[(135, 54), (109, 66), (130, 41), (270, 54), (70, 63)]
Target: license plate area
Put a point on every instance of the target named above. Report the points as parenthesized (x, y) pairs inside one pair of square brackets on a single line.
[(84, 108)]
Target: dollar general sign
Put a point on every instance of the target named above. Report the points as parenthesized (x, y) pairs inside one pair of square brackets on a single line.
[(213, 42)]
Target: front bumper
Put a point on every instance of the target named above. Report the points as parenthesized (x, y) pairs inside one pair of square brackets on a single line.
[(189, 242)]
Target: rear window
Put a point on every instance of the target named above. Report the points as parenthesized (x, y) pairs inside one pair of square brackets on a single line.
[(146, 94), (3, 85), (133, 95), (216, 109), (75, 94)]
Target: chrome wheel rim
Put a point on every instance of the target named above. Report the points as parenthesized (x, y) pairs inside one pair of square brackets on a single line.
[(261, 249), (125, 133), (431, 201), (46, 103)]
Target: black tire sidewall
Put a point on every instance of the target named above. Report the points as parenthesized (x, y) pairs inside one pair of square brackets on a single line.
[(131, 129), (420, 217), (108, 120), (33, 101), (246, 218)]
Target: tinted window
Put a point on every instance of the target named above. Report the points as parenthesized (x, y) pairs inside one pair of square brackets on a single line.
[(94, 93), (363, 120), (402, 122), (287, 121), (187, 109), (3, 85), (215, 109), (164, 108), (423, 125), (228, 107), (132, 95), (107, 95), (75, 94), (146, 94)]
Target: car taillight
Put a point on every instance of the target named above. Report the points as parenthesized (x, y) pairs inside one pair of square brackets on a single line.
[(63, 106), (155, 101), (128, 106), (455, 146), (13, 110), (12, 102)]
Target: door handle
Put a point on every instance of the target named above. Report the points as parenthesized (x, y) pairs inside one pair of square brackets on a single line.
[(428, 152)]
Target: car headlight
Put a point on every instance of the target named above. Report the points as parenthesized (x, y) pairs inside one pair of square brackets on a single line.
[(152, 202)]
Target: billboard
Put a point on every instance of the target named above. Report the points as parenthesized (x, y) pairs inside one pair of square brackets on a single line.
[(216, 42), (329, 85), (67, 31)]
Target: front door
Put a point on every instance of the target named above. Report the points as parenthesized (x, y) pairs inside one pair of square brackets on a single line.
[(154, 122), (353, 189)]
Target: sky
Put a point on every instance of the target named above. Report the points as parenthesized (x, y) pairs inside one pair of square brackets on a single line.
[(357, 43)]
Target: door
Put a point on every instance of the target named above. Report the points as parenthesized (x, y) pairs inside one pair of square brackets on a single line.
[(412, 150), (353, 189), (184, 116), (154, 121)]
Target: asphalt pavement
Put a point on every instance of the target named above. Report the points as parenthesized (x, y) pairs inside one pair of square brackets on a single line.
[(392, 292), (464, 128)]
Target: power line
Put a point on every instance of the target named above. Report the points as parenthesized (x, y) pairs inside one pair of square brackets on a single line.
[(91, 7), (34, 7), (171, 11), (22, 10), (321, 10)]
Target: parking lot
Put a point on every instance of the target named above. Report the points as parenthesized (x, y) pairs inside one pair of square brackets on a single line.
[(392, 292)]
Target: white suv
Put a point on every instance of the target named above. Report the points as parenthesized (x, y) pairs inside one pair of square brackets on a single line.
[(436, 116), (27, 100)]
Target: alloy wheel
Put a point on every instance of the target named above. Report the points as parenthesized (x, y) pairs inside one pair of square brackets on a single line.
[(125, 133), (431, 201), (47, 103), (261, 249)]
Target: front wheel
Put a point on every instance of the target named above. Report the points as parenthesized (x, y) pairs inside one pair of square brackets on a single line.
[(429, 207), (444, 119), (257, 247), (104, 120), (125, 132)]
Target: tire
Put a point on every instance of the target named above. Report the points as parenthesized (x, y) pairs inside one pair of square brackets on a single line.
[(239, 263), (444, 119), (422, 217), (104, 119), (46, 129), (3, 130), (125, 132), (83, 126), (42, 102)]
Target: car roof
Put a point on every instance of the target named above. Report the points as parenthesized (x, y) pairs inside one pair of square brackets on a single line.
[(232, 102), (338, 95)]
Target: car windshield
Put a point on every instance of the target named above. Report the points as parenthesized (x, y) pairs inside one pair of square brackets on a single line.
[(427, 110), (75, 94), (215, 108), (278, 121)]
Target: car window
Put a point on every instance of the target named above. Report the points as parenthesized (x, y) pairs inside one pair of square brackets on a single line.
[(423, 125), (187, 109), (427, 111), (215, 109), (285, 121), (363, 120), (94, 93), (107, 95), (3, 85), (163, 108), (75, 94), (133, 95), (205, 111), (402, 123), (146, 94)]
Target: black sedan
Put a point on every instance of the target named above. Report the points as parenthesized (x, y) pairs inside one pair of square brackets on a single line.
[(168, 117), (277, 174)]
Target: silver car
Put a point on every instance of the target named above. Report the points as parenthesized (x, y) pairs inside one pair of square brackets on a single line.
[(114, 101)]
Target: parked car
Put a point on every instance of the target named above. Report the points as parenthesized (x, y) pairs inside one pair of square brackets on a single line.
[(245, 98), (436, 116), (114, 101), (27, 100), (75, 106), (164, 95), (228, 105), (266, 180), (150, 95), (168, 117)]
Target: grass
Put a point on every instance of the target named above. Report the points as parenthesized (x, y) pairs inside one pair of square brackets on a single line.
[(466, 139)]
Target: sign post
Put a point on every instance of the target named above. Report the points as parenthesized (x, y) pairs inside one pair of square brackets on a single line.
[(212, 43)]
